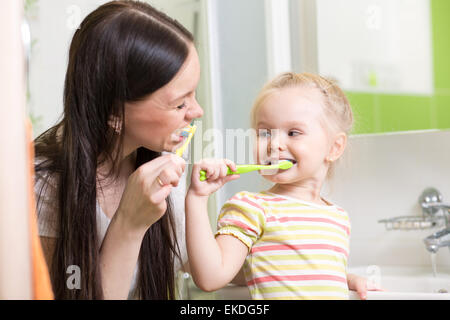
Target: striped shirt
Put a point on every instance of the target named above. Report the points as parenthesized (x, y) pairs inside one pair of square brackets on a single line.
[(297, 249)]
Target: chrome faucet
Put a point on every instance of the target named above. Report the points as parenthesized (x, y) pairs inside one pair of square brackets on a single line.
[(432, 205), (437, 240)]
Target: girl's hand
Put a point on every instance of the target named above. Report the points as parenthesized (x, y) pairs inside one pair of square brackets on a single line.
[(144, 199), (361, 285), (216, 176)]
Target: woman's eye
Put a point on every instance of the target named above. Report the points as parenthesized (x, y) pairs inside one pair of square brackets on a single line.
[(182, 106)]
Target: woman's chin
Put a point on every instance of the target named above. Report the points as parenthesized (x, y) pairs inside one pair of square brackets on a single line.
[(171, 146)]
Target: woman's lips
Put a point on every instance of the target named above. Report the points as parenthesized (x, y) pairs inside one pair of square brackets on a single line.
[(177, 135), (177, 138)]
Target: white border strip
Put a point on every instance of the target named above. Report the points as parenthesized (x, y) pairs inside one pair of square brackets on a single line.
[(214, 75), (278, 36)]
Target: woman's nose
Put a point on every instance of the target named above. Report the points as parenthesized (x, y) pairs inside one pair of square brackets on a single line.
[(195, 111)]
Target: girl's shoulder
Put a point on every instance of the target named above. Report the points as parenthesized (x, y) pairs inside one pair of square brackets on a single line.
[(257, 200), (264, 198), (248, 195)]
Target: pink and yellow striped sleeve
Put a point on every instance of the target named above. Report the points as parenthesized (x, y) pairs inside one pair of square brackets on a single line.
[(242, 217)]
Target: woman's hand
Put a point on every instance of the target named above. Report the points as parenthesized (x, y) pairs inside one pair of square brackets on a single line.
[(216, 176), (361, 285), (144, 199)]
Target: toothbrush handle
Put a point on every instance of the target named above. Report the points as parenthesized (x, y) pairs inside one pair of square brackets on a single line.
[(242, 168)]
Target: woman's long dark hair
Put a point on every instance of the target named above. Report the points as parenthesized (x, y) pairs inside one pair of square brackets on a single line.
[(122, 52)]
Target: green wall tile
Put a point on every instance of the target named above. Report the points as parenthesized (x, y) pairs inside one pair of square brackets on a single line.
[(403, 113), (442, 105), (440, 10), (363, 112), (377, 113)]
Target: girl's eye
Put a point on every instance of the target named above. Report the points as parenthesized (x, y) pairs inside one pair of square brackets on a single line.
[(294, 133)]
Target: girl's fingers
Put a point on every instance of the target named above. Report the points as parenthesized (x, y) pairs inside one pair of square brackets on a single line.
[(371, 286), (216, 174), (215, 168), (231, 178), (209, 172), (361, 288), (223, 170), (230, 165)]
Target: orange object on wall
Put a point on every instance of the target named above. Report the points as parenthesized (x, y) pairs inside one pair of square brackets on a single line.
[(42, 289)]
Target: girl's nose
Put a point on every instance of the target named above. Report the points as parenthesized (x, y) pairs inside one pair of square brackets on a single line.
[(277, 143), (280, 143)]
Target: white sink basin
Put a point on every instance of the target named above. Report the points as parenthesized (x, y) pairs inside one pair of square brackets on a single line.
[(400, 283), (405, 283)]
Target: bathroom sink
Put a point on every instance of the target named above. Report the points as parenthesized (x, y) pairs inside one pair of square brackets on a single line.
[(400, 283), (405, 283)]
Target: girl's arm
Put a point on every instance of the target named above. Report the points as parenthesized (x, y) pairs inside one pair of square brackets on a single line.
[(214, 262)]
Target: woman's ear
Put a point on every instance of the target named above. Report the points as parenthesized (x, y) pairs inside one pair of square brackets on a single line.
[(115, 123), (337, 147)]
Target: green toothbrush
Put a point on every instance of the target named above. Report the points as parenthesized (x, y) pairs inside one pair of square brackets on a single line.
[(244, 168)]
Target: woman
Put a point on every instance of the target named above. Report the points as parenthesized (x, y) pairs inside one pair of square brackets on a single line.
[(129, 90)]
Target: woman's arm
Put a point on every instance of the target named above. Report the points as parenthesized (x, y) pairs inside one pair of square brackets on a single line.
[(214, 262), (142, 204), (118, 258)]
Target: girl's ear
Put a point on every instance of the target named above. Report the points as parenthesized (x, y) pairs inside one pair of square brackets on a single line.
[(337, 147)]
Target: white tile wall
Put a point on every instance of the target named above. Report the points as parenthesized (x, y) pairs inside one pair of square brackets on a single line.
[(382, 176)]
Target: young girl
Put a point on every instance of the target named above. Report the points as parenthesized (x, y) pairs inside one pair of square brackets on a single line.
[(293, 243)]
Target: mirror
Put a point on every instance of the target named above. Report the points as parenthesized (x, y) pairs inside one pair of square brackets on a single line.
[(389, 56), (392, 51)]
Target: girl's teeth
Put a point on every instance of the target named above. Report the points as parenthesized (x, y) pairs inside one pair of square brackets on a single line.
[(270, 162)]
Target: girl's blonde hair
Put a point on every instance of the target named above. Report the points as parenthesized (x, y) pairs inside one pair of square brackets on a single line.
[(336, 107)]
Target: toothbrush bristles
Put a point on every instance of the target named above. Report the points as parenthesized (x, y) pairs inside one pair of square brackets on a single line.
[(186, 131), (189, 133)]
